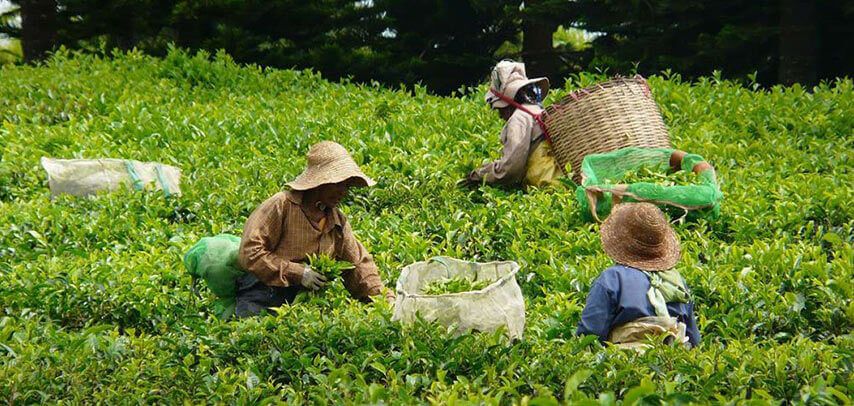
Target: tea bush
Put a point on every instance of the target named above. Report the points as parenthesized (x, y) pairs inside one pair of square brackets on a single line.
[(96, 306)]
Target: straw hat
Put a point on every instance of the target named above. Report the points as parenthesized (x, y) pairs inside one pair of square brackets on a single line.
[(328, 162), (638, 235), (508, 77)]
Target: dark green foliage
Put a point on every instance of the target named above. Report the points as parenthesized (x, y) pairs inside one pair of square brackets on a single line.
[(95, 305), (442, 44), (446, 45), (695, 38)]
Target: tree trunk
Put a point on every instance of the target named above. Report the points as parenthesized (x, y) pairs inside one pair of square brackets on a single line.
[(537, 44), (798, 53), (38, 28)]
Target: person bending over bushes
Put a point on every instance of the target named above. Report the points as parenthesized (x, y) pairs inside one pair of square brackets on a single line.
[(291, 225), (527, 158), (642, 296)]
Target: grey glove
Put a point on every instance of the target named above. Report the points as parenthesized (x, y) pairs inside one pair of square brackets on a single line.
[(470, 181), (312, 280)]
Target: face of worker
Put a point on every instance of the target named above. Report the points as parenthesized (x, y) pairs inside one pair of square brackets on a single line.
[(506, 112), (331, 194)]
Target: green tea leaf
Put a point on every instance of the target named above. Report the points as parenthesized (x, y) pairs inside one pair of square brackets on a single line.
[(453, 285)]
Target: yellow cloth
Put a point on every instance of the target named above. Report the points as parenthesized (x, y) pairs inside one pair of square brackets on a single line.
[(542, 168)]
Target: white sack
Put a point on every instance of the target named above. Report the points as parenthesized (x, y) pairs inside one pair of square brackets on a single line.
[(499, 304), (84, 177)]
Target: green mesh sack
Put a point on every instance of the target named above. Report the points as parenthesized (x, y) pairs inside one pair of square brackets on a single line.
[(214, 260), (604, 183)]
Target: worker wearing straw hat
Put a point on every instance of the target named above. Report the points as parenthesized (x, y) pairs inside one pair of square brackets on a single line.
[(526, 157), (281, 233), (642, 296)]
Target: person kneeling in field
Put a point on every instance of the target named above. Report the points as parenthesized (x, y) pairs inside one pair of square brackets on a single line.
[(281, 233), (642, 295), (527, 157)]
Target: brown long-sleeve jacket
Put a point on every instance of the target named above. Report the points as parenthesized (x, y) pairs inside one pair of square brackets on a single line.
[(278, 237)]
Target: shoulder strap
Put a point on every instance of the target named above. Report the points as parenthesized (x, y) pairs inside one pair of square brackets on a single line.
[(537, 117)]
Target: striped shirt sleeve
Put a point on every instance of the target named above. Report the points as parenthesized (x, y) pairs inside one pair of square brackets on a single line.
[(261, 235)]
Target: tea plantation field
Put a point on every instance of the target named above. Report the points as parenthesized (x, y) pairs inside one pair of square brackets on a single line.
[(95, 305)]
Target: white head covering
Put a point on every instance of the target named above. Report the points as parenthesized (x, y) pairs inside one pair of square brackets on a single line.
[(507, 78)]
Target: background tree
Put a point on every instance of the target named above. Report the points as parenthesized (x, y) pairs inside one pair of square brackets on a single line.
[(38, 27), (778, 39), (540, 19), (281, 33), (10, 33), (445, 44), (798, 42), (106, 24)]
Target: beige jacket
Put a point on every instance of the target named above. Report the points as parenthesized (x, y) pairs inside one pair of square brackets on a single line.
[(520, 135)]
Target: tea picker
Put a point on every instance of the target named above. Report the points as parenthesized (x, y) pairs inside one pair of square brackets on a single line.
[(601, 136), (642, 296), (291, 226), (526, 158), (281, 233)]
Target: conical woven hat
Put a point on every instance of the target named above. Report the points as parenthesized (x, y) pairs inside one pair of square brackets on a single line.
[(638, 235), (328, 162), (508, 77)]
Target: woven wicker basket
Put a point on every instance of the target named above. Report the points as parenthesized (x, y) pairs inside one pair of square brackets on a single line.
[(603, 118)]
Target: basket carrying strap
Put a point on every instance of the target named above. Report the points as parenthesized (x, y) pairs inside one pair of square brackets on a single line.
[(537, 117), (593, 194)]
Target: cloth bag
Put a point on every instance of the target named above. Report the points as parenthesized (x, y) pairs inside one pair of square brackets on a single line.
[(84, 177), (636, 334), (602, 187), (214, 260), (542, 169), (499, 304)]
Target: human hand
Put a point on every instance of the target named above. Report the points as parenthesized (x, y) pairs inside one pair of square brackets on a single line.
[(470, 181), (311, 279)]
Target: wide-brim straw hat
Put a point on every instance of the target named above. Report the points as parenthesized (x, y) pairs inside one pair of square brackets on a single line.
[(508, 77), (639, 235), (329, 162)]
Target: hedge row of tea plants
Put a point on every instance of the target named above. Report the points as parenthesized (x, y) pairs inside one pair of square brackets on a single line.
[(96, 306)]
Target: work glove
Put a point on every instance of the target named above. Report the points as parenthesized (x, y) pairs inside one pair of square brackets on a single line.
[(469, 182), (312, 280)]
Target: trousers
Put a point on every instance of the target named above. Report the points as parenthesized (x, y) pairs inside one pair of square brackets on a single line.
[(254, 297)]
